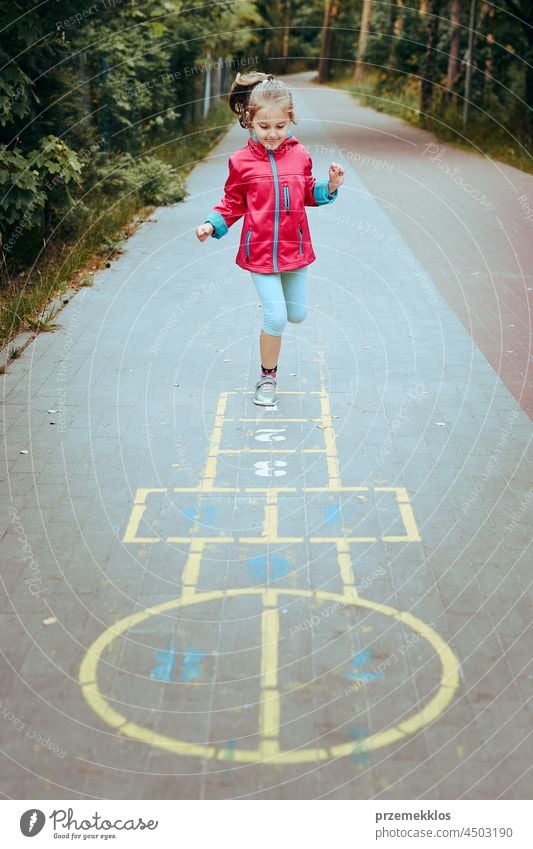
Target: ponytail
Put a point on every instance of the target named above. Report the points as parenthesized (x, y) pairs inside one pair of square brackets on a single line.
[(240, 91)]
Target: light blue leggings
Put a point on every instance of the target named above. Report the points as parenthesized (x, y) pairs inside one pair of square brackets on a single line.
[(284, 298)]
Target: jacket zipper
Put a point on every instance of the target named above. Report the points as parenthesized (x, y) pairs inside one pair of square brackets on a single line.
[(301, 240), (287, 200), (276, 211), (247, 245)]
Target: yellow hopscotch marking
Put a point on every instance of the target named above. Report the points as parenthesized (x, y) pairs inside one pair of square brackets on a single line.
[(267, 489), (269, 637), (269, 540), (269, 747), (248, 450), (406, 512), (335, 489), (210, 472), (270, 521), (345, 539), (205, 488), (137, 512), (270, 524), (270, 706), (345, 567), (270, 701), (334, 475), (187, 540), (332, 457), (191, 571)]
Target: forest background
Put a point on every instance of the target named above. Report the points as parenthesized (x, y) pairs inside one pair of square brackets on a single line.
[(105, 107)]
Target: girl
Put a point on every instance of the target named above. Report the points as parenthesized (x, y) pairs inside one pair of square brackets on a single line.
[(270, 183)]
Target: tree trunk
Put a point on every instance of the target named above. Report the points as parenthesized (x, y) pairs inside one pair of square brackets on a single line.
[(525, 18), (323, 65), (366, 20), (453, 58), (398, 20), (331, 10), (488, 71), (529, 80), (429, 63), (286, 32)]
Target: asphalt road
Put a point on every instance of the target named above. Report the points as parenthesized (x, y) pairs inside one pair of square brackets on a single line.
[(330, 599)]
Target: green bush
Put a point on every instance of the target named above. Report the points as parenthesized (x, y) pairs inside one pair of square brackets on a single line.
[(156, 183)]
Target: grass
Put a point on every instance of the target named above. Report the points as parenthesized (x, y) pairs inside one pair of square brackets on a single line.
[(108, 221), (487, 132)]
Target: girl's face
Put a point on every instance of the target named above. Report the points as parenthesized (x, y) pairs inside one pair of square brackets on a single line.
[(271, 125)]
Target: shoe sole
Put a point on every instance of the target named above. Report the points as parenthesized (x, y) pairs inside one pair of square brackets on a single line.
[(265, 403)]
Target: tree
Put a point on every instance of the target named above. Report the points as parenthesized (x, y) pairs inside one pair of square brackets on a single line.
[(452, 75), (429, 62), (366, 22), (331, 11), (522, 10)]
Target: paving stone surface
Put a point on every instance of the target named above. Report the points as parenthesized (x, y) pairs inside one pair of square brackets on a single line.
[(330, 599)]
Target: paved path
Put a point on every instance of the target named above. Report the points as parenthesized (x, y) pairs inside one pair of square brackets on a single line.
[(329, 599)]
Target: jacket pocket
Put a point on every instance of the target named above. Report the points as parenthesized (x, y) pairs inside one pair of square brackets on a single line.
[(286, 197), (247, 244), (300, 233)]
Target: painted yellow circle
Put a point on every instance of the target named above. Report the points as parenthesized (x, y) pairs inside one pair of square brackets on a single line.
[(88, 678)]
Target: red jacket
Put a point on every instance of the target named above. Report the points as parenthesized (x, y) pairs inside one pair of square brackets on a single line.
[(271, 190)]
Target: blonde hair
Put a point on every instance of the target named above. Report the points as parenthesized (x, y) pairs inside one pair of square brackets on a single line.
[(253, 90)]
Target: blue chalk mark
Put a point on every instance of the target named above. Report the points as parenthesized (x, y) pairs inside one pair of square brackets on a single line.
[(361, 658), (192, 668), (229, 750), (359, 754), (259, 567), (229, 755), (207, 515), (332, 515), (165, 659)]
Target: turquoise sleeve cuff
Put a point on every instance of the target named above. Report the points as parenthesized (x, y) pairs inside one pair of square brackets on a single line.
[(321, 192), (216, 221)]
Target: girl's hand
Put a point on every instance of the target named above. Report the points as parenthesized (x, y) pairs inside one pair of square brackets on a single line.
[(204, 231), (336, 176)]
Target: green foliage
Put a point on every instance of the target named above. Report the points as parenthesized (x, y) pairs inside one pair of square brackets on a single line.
[(155, 182), (21, 193), (95, 91), (488, 132), (101, 115)]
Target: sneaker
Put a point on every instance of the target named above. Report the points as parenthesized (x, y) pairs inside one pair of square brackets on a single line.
[(265, 392)]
